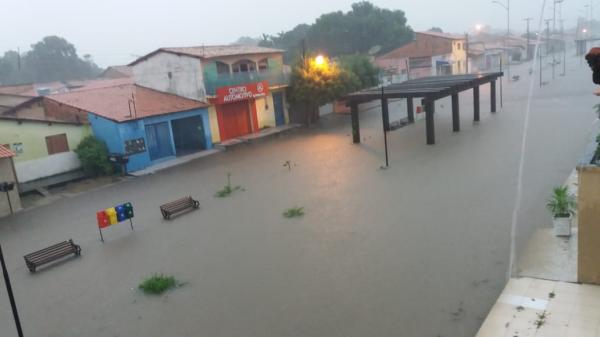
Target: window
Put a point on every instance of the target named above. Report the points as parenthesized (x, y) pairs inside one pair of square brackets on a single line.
[(57, 144), (263, 65), (243, 66), (17, 148), (223, 68)]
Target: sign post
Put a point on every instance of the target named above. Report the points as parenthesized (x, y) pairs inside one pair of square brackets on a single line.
[(7, 187), (11, 297)]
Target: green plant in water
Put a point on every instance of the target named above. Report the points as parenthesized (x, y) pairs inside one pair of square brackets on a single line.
[(294, 212), (228, 189), (541, 320), (158, 284), (561, 204)]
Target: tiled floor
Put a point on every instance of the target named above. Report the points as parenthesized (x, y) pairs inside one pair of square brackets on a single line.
[(548, 256), (534, 307)]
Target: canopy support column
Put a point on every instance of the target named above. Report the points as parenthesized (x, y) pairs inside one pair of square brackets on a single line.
[(410, 107), (476, 103), (455, 113), (355, 123), (429, 121), (493, 95)]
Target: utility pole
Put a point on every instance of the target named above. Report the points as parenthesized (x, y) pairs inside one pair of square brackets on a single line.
[(529, 56), (554, 33), (548, 36), (11, 297), (507, 8)]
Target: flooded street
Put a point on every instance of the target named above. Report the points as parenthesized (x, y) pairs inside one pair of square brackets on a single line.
[(419, 249)]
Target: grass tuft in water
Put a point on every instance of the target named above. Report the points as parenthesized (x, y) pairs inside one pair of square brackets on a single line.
[(294, 212), (228, 190), (158, 284)]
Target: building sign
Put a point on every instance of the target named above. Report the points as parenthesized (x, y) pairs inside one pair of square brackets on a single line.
[(242, 92)]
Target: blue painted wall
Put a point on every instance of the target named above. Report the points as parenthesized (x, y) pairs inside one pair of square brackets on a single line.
[(115, 134)]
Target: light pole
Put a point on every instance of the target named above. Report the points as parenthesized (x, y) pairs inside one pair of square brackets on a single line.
[(553, 33), (507, 8)]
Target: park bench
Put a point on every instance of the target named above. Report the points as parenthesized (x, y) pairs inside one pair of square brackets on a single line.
[(51, 254), (178, 206)]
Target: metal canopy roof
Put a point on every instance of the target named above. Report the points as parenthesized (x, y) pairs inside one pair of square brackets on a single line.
[(434, 87)]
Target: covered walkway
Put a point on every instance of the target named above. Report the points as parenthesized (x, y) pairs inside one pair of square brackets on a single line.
[(429, 89)]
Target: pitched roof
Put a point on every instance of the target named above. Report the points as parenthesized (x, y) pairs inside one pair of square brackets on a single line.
[(424, 47), (444, 35), (6, 153), (123, 71), (207, 52), (114, 102), (31, 90)]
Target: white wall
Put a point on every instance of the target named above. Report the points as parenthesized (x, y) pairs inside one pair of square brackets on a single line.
[(47, 166), (186, 80)]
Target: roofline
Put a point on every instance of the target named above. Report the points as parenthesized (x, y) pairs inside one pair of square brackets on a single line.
[(22, 104), (33, 120), (144, 117), (166, 50), (443, 35)]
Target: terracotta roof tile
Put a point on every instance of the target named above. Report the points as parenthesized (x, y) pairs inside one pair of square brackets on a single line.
[(31, 90), (5, 153), (114, 102)]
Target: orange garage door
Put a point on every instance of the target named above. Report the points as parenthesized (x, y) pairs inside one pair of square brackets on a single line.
[(234, 120)]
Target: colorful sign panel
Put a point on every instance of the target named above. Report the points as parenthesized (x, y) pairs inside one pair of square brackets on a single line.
[(242, 92), (114, 215)]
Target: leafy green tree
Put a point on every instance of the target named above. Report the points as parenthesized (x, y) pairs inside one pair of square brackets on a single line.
[(358, 31), (314, 84), (51, 59), (93, 155), (363, 68), (436, 29)]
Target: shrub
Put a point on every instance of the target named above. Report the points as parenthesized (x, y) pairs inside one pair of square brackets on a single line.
[(93, 155), (158, 284)]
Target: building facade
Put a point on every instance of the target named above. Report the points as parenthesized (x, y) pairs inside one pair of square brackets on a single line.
[(43, 135), (143, 124), (245, 85), (429, 54)]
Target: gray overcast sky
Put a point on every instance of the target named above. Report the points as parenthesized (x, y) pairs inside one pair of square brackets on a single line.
[(115, 31)]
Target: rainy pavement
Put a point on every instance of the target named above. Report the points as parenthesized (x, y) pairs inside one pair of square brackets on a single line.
[(419, 249)]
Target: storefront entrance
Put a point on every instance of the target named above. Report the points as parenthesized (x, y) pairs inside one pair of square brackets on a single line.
[(188, 135), (159, 140), (234, 119), (278, 107)]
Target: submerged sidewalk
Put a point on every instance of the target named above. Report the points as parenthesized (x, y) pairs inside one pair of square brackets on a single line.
[(265, 133), (534, 307)]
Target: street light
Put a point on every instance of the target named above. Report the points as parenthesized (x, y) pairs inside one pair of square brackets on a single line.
[(320, 61), (507, 8)]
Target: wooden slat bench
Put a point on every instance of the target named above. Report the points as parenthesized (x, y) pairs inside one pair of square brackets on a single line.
[(51, 254), (178, 206)]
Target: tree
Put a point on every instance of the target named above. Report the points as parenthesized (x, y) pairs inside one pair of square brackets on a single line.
[(436, 29), (338, 33), (361, 66), (314, 84), (51, 59)]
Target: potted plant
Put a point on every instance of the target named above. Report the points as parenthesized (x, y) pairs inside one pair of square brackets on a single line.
[(562, 206)]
